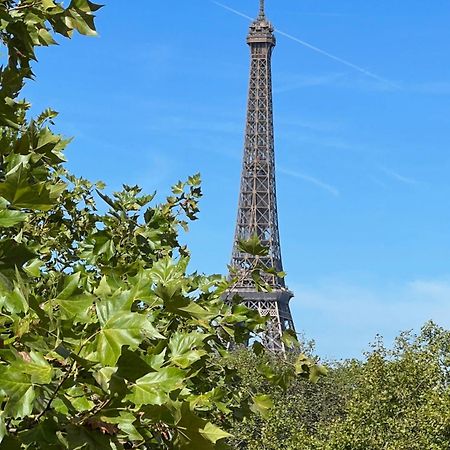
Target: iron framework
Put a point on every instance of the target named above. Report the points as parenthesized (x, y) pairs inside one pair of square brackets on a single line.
[(257, 209)]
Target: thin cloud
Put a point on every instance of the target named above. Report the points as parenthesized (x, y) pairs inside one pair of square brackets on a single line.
[(379, 182), (308, 81), (311, 47), (344, 316), (397, 176), (313, 125), (315, 181)]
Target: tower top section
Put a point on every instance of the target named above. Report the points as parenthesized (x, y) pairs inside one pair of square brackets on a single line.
[(261, 30)]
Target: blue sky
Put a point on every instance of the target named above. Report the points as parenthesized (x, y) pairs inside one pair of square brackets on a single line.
[(363, 161)]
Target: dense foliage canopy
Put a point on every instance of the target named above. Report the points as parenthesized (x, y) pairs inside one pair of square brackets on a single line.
[(396, 399), (106, 340)]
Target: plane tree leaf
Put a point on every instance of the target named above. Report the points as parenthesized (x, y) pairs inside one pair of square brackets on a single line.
[(213, 433), (10, 218), (253, 246), (17, 190), (153, 388), (121, 329), (18, 390), (13, 254), (184, 348), (262, 404)]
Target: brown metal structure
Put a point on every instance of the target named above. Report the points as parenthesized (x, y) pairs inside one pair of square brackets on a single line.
[(257, 210)]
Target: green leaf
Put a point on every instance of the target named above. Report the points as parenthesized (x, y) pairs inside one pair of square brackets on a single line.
[(103, 377), (317, 371), (70, 286), (10, 218), (131, 366), (18, 388), (195, 180), (81, 438), (85, 6), (33, 268), (289, 339), (213, 433), (2, 426), (46, 433), (262, 404), (182, 346), (121, 329), (103, 289), (45, 37), (11, 443), (267, 371), (81, 403), (153, 388), (258, 348), (76, 308), (35, 365), (195, 310), (166, 270), (302, 364), (13, 254), (21, 193), (253, 246), (103, 245)]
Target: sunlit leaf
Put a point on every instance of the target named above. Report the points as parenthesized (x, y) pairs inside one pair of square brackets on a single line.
[(153, 388)]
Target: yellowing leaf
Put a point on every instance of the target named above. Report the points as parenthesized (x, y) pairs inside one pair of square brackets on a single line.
[(213, 433), (262, 404), (35, 365)]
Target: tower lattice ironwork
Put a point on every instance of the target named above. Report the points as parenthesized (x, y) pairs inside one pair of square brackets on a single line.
[(257, 210)]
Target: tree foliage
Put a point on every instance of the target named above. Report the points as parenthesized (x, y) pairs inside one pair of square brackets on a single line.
[(106, 340), (396, 399)]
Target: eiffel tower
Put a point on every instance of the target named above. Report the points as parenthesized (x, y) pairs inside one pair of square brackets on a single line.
[(257, 209)]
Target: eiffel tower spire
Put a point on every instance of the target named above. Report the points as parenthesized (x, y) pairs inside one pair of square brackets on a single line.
[(261, 9), (257, 209)]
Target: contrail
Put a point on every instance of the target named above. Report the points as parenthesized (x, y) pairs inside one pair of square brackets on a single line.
[(311, 47), (319, 183), (235, 11)]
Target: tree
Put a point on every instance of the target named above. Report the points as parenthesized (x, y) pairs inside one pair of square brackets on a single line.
[(299, 407), (106, 340), (396, 399), (401, 397)]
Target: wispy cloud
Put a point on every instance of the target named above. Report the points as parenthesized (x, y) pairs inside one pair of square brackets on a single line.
[(344, 81), (312, 47), (344, 317), (319, 140), (310, 179), (396, 176), (199, 123), (320, 125), (379, 182), (302, 81)]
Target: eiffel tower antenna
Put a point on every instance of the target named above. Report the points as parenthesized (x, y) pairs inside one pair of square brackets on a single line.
[(261, 9), (257, 209)]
